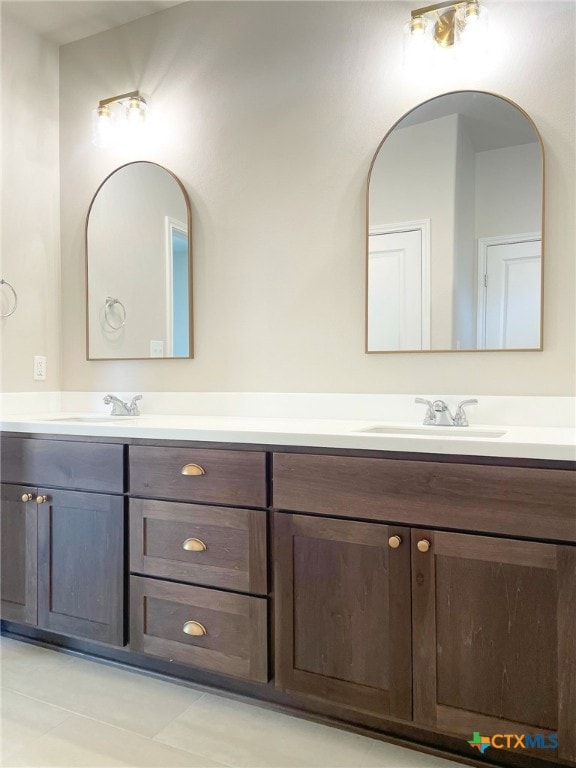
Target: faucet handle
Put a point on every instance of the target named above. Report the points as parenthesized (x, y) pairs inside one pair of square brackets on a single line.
[(460, 419), (133, 408), (430, 417)]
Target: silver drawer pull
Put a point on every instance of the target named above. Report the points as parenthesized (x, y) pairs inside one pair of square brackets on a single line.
[(194, 545), (194, 628), (192, 470)]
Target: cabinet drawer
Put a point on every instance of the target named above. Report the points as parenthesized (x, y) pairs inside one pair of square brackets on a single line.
[(223, 477), (216, 546), (63, 464), (538, 503), (232, 629)]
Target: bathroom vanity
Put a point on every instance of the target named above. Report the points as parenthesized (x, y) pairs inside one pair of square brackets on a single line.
[(418, 597)]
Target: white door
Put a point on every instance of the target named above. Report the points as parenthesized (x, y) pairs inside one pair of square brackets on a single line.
[(512, 301), (395, 292)]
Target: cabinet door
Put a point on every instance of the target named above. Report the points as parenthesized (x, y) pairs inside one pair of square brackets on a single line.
[(81, 565), (19, 537), (494, 624), (342, 598)]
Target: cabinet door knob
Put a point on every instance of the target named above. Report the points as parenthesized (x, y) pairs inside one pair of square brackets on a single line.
[(194, 545), (423, 545), (194, 628), (192, 470), (41, 499), (394, 542), (27, 496)]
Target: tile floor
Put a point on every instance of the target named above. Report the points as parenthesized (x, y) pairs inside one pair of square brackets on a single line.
[(60, 710)]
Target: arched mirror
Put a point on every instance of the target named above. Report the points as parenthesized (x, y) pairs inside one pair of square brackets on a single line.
[(139, 266), (455, 221)]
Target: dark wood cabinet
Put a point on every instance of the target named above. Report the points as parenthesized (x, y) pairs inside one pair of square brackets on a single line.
[(19, 537), (494, 623), (81, 565), (423, 599), (343, 612), (490, 645)]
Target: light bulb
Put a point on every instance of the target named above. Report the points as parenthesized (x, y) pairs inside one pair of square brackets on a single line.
[(103, 127), (472, 34), (136, 111), (417, 44)]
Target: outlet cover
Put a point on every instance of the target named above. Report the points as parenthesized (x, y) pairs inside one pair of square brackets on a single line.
[(156, 349), (39, 368)]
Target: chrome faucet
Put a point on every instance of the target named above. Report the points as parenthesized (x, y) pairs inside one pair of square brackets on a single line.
[(438, 412), (120, 408)]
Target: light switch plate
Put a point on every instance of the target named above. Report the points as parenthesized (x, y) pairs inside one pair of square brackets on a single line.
[(39, 368)]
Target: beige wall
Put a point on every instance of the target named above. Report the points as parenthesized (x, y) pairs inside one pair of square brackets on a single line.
[(270, 114), (508, 182), (30, 256)]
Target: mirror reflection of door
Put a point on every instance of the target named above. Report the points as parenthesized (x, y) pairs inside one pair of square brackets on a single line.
[(177, 282), (510, 276), (398, 287), (470, 164)]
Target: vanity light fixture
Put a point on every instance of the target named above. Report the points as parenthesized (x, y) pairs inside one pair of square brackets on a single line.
[(460, 26), (117, 115)]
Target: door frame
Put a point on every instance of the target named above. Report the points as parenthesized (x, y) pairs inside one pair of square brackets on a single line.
[(481, 266), (424, 225), (171, 224)]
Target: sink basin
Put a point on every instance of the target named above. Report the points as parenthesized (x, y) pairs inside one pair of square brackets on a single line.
[(432, 431), (91, 419)]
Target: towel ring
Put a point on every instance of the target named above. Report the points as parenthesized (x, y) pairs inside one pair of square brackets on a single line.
[(110, 302), (7, 284)]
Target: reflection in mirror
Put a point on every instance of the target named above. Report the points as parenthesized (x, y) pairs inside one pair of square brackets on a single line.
[(139, 266), (454, 242)]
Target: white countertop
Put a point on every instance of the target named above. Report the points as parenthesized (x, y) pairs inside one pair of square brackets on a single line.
[(551, 443)]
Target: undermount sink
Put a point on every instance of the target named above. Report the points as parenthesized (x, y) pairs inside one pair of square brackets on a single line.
[(91, 419), (432, 431)]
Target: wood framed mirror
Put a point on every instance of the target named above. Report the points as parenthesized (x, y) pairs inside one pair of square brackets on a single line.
[(139, 266), (455, 220)]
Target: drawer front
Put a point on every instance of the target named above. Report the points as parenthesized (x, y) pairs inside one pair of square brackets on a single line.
[(63, 464), (230, 630), (220, 477), (215, 546), (538, 503)]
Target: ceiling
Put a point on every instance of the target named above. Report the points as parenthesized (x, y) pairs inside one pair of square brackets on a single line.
[(68, 20), (491, 122)]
